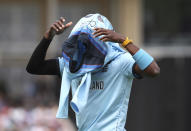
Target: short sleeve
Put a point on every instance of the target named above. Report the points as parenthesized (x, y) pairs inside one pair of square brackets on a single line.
[(61, 64), (127, 63)]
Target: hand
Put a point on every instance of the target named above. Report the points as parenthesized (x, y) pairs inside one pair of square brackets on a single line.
[(109, 35), (57, 28)]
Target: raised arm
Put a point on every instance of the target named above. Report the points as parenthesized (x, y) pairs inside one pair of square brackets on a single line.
[(37, 63), (151, 70)]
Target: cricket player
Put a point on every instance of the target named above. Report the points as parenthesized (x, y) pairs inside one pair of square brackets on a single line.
[(110, 84)]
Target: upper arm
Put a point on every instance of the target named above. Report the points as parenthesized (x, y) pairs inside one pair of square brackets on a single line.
[(47, 67), (152, 70), (51, 67)]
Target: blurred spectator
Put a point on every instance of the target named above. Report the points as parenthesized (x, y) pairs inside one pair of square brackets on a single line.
[(37, 119)]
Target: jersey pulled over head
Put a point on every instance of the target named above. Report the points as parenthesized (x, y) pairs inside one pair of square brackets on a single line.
[(83, 54), (82, 51)]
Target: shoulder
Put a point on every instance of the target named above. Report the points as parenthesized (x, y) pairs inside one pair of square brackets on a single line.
[(122, 61), (126, 55), (125, 58), (125, 63)]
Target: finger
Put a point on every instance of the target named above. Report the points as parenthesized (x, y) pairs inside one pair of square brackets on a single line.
[(68, 24), (61, 24), (99, 34), (99, 31), (58, 26), (96, 29), (104, 37), (62, 19), (54, 28)]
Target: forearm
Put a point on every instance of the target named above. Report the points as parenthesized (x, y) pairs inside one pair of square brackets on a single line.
[(145, 64), (37, 63), (151, 70), (40, 51), (38, 56)]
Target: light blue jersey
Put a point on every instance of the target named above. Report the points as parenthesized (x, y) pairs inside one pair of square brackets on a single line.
[(108, 99)]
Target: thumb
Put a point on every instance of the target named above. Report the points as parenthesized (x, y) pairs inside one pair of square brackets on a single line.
[(68, 24)]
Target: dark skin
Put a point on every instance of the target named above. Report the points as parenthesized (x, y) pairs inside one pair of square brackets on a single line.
[(108, 35), (57, 28)]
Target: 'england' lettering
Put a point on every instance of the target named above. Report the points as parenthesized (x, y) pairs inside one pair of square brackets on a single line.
[(97, 85)]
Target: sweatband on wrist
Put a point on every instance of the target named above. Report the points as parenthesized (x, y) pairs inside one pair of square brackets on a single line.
[(143, 59)]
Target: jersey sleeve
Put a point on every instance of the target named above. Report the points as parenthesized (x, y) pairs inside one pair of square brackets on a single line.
[(61, 64), (127, 63)]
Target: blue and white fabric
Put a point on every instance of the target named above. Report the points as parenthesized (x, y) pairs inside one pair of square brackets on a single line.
[(81, 33)]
